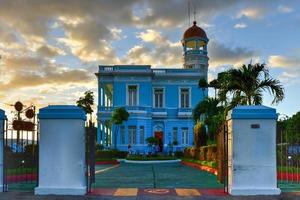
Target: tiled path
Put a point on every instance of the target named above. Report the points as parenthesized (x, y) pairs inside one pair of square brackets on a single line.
[(134, 192)]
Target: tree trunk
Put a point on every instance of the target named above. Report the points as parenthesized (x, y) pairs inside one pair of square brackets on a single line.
[(249, 100), (115, 136)]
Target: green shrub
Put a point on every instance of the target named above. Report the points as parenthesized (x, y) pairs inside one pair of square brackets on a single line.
[(212, 164), (146, 158), (109, 154), (178, 154), (121, 154), (99, 147), (200, 137)]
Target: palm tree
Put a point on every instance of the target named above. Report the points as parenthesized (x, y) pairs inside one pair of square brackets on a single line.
[(118, 117), (203, 85), (214, 84), (86, 102), (211, 112), (247, 84)]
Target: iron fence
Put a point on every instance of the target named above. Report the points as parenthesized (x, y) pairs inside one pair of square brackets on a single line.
[(20, 158), (288, 158)]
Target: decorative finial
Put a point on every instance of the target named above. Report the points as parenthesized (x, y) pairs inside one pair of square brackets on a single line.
[(194, 22)]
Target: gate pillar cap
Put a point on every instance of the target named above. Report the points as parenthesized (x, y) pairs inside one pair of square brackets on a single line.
[(252, 112), (62, 112), (2, 115)]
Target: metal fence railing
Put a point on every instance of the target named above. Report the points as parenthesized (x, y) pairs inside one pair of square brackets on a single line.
[(288, 159)]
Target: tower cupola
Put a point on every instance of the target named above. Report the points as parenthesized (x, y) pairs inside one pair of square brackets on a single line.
[(194, 44)]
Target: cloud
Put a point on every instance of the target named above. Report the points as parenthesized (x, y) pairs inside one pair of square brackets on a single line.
[(220, 54), (49, 51), (284, 9), (50, 76), (283, 61), (151, 36), (240, 25), (89, 41), (165, 54), (290, 67), (251, 13), (23, 63)]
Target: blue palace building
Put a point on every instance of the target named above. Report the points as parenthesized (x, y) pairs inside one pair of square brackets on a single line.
[(159, 100)]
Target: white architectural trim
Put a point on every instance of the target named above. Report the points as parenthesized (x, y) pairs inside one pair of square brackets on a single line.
[(137, 111), (151, 161), (137, 95), (179, 96), (60, 191), (184, 114), (164, 96), (159, 113)]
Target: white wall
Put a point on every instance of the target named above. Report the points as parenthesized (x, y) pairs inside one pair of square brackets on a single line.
[(253, 159), (62, 157)]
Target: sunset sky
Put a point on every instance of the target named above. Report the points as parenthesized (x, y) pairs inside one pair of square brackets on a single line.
[(50, 49)]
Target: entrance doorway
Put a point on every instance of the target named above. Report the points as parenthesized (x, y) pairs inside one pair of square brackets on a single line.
[(159, 136)]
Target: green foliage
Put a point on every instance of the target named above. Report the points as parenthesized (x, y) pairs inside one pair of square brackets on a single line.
[(148, 158), (211, 112), (202, 83), (178, 154), (290, 129), (246, 84), (151, 141), (118, 117), (110, 154), (212, 164), (204, 153), (99, 147), (86, 102), (200, 137), (288, 169)]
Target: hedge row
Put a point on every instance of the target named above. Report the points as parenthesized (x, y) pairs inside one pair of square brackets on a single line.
[(109, 154), (205, 153)]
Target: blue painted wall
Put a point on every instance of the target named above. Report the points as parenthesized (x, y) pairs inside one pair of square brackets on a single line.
[(144, 113)]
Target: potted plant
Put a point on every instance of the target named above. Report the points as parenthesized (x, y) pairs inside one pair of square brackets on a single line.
[(152, 141)]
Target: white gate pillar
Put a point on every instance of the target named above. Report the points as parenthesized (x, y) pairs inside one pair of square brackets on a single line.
[(2, 120), (62, 151), (252, 151)]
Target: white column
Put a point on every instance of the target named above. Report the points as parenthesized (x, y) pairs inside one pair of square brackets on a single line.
[(252, 151), (2, 120), (102, 96), (62, 151)]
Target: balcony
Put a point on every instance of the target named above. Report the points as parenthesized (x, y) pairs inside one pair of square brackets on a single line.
[(159, 112), (185, 112), (130, 109)]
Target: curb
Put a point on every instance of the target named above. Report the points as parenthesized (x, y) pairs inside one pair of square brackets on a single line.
[(152, 161)]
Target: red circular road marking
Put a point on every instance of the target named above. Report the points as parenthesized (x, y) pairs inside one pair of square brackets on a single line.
[(157, 191)]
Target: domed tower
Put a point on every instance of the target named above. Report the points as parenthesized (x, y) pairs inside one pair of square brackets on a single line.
[(194, 44)]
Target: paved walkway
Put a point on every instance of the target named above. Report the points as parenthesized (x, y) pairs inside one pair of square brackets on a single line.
[(30, 196), (176, 192), (171, 175)]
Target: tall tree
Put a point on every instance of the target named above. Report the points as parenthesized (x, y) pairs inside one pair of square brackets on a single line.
[(86, 102), (246, 84), (214, 84), (118, 117), (211, 113), (203, 85)]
